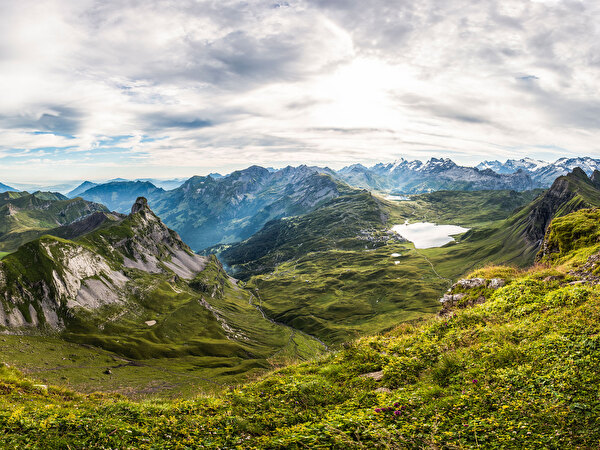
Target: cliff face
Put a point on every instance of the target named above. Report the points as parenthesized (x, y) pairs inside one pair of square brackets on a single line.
[(567, 194)]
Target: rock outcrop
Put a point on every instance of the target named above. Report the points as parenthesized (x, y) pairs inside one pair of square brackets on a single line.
[(468, 292)]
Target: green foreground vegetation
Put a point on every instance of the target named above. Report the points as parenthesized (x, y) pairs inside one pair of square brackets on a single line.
[(520, 370)]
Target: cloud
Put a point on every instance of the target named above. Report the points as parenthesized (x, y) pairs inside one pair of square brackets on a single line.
[(102, 84), (162, 122), (57, 119)]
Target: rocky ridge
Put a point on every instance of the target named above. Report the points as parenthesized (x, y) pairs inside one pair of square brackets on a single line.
[(45, 279)]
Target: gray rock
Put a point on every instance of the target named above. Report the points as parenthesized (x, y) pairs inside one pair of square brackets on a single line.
[(496, 283), (470, 283), (377, 376), (383, 390), (451, 298)]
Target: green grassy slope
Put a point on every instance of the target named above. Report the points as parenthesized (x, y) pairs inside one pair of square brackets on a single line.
[(349, 222), (25, 217), (464, 208), (519, 371)]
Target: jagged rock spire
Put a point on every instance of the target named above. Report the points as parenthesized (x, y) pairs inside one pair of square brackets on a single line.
[(579, 173), (141, 204)]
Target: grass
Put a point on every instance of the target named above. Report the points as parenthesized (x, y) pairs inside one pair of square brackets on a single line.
[(519, 371), (338, 295), (25, 217), (570, 233)]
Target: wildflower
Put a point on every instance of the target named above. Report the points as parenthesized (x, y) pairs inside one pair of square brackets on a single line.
[(396, 413), (474, 380), (377, 410), (396, 405), (403, 407)]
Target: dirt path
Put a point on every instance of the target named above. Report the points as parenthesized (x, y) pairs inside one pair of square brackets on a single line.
[(294, 330), (432, 266)]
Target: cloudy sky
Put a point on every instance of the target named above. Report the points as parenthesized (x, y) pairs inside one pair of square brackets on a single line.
[(100, 89)]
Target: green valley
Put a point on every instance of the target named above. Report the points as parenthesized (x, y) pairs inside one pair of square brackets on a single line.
[(338, 272)]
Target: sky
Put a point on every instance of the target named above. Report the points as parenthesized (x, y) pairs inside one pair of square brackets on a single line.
[(151, 88)]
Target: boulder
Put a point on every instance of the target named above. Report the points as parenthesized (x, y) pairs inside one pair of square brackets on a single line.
[(471, 283), (496, 283), (377, 376)]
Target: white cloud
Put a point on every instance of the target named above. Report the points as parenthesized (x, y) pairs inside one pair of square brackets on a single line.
[(193, 86)]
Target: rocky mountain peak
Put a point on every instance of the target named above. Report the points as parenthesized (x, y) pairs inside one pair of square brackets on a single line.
[(141, 204), (579, 173), (556, 199)]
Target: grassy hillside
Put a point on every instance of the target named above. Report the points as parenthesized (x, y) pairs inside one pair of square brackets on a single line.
[(24, 216), (331, 272), (134, 290), (520, 370), (351, 222)]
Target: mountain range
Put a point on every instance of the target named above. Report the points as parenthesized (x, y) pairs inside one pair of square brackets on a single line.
[(506, 358), (209, 210), (206, 211), (413, 177), (541, 171)]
